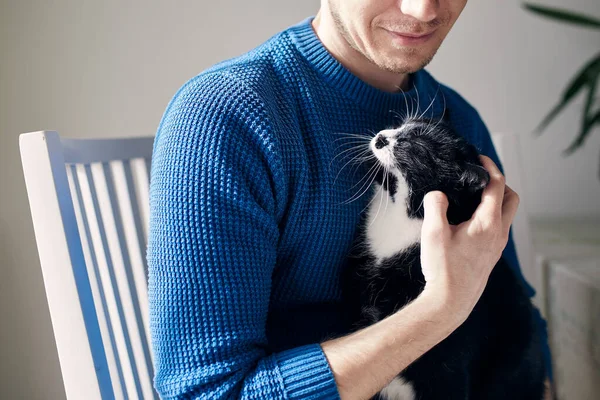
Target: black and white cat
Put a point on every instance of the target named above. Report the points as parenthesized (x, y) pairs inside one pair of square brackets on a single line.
[(495, 353)]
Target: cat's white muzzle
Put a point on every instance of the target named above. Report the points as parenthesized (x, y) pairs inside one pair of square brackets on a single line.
[(385, 154)]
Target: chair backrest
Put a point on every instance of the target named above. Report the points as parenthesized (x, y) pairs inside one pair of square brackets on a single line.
[(508, 147), (89, 205)]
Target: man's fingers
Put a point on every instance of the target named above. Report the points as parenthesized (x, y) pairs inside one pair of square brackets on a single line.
[(509, 207), (490, 209), (436, 208)]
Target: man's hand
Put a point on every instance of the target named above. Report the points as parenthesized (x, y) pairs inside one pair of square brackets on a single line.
[(457, 260)]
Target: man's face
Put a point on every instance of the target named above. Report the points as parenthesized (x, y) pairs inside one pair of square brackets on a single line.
[(400, 36)]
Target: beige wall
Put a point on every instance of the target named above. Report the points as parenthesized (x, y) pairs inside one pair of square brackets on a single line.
[(108, 68), (513, 67)]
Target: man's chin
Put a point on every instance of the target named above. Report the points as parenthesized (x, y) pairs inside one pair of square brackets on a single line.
[(406, 61), (402, 67)]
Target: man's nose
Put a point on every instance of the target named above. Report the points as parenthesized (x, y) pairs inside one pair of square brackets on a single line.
[(422, 10)]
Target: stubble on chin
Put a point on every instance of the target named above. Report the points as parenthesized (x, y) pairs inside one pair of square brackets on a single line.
[(402, 60)]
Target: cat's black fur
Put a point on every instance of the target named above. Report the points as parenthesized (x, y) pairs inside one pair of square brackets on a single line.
[(496, 353)]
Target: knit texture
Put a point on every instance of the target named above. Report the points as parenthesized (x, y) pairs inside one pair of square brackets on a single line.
[(251, 216)]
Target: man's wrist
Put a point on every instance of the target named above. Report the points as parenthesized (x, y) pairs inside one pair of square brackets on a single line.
[(441, 307)]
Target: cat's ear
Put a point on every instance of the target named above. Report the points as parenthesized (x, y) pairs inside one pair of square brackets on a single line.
[(475, 177)]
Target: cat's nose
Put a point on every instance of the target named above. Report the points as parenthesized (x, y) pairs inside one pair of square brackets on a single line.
[(381, 142)]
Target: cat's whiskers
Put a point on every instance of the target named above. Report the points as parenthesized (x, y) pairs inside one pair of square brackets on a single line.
[(361, 146), (387, 200), (405, 103), (359, 161), (356, 159), (381, 189), (368, 204), (361, 149), (368, 174), (351, 136), (398, 115), (350, 133), (418, 100), (442, 116), (373, 175), (430, 104), (357, 195)]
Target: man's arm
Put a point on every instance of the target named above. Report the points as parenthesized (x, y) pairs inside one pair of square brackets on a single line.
[(212, 247), (456, 262), (365, 361)]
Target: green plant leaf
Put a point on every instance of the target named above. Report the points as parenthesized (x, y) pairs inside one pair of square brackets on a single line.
[(588, 120), (586, 130), (595, 119), (550, 116), (585, 76), (563, 15)]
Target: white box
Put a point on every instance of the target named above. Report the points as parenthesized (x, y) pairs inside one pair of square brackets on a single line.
[(573, 299), (562, 240)]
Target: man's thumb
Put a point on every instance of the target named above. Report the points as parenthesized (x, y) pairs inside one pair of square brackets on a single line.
[(436, 207)]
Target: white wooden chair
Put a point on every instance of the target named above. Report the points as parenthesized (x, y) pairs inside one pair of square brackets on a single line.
[(89, 205)]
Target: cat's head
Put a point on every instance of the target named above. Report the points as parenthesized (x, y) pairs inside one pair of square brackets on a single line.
[(426, 156)]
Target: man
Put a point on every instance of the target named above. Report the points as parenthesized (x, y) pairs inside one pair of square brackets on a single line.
[(250, 227)]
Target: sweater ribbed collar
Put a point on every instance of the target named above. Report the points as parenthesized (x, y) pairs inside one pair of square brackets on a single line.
[(423, 86)]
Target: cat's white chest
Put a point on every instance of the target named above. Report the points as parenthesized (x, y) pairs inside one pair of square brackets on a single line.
[(389, 228), (389, 232), (398, 389)]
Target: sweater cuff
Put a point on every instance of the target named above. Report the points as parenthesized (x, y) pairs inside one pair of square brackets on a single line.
[(306, 373)]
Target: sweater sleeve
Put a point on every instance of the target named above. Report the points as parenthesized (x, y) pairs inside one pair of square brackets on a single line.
[(212, 249), (510, 254)]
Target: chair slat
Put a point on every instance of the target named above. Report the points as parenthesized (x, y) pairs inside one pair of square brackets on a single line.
[(140, 172), (97, 291), (128, 209), (121, 268), (107, 279), (138, 191)]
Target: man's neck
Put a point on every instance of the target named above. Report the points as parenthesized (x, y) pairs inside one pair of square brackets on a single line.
[(352, 59)]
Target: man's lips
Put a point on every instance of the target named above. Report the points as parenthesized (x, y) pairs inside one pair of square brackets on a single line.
[(409, 38), (413, 35)]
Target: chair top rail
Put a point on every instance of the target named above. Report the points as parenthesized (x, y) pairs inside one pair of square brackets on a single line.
[(86, 151)]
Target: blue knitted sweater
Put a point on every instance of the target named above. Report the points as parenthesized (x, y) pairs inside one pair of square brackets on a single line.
[(249, 219)]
